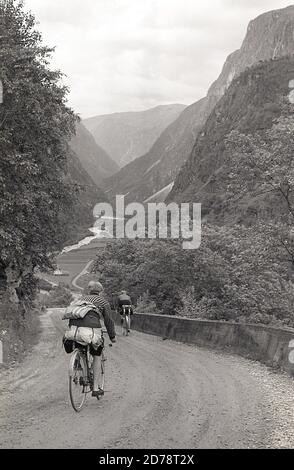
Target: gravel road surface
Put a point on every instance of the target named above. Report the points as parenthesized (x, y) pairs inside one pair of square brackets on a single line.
[(159, 394)]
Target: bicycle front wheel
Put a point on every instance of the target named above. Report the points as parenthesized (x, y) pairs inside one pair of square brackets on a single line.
[(77, 380)]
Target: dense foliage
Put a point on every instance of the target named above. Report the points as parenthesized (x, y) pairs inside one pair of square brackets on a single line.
[(35, 126), (261, 179), (234, 275)]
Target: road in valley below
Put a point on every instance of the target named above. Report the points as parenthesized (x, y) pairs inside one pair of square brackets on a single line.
[(75, 263), (159, 394)]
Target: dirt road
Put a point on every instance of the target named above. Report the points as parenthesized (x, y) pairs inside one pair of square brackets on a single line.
[(84, 271), (160, 394)]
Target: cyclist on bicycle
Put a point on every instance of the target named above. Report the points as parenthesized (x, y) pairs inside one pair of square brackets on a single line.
[(124, 300), (92, 320)]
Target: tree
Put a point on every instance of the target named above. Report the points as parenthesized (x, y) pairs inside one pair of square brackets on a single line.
[(35, 127), (262, 167), (160, 267)]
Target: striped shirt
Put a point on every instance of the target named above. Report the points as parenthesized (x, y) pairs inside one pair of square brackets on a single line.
[(97, 300)]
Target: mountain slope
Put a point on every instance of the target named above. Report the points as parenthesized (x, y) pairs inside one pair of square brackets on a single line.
[(253, 101), (89, 195), (153, 171), (92, 157), (126, 136), (268, 36)]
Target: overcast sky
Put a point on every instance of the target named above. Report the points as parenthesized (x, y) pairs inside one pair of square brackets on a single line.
[(130, 55)]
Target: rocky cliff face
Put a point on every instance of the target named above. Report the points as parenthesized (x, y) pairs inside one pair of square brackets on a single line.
[(126, 136), (251, 104), (270, 35)]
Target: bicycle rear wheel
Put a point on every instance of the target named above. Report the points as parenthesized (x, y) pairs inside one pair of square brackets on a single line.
[(127, 324), (77, 380), (123, 324)]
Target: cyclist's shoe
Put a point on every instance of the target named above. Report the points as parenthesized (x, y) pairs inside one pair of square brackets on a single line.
[(98, 393)]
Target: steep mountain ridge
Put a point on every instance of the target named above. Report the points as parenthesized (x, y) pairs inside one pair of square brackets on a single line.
[(127, 135), (268, 36), (253, 101)]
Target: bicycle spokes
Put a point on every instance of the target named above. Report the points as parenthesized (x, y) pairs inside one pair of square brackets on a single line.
[(81, 377), (77, 380)]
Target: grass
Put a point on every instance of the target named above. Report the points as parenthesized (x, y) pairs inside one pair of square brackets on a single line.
[(18, 333)]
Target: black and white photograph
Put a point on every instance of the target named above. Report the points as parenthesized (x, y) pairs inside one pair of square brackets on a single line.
[(146, 229)]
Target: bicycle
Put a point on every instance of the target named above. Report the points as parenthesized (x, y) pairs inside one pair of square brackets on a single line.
[(126, 317), (81, 376)]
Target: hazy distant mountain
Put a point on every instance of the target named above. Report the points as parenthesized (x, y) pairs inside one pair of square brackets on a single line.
[(90, 194), (126, 136), (155, 170), (269, 36), (87, 165), (93, 158), (253, 101)]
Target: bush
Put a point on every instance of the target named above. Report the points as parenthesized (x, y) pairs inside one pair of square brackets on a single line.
[(189, 305), (146, 305), (60, 296), (19, 331)]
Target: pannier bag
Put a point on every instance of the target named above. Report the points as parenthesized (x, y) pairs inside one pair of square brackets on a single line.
[(68, 345), (82, 334), (78, 309)]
